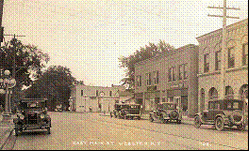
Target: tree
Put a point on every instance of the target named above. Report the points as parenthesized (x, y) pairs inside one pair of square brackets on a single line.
[(55, 84), (28, 61), (146, 52)]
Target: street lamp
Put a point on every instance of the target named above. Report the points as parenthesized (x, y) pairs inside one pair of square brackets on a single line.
[(7, 82)]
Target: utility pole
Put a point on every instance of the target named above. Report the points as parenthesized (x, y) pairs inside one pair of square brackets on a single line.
[(1, 18), (224, 44)]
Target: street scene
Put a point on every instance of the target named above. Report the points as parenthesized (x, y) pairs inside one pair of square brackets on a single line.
[(123, 75), (93, 131)]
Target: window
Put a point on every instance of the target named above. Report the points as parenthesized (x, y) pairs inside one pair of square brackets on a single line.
[(217, 60), (172, 74), (231, 57), (82, 93), (148, 78), (206, 63), (156, 77), (110, 93), (182, 72), (245, 54), (97, 92), (139, 83)]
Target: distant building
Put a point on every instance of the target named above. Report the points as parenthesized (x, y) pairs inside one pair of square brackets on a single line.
[(236, 64), (169, 78), (98, 98)]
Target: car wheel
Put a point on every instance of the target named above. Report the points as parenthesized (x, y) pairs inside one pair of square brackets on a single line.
[(197, 121), (162, 119), (151, 118), (179, 122), (48, 130), (219, 123), (139, 118), (241, 127)]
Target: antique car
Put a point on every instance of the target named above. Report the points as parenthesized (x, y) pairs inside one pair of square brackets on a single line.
[(166, 112), (127, 111), (221, 113), (31, 115)]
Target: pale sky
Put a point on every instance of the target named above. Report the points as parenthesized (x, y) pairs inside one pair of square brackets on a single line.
[(89, 36)]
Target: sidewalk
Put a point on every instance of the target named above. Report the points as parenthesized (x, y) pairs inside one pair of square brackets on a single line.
[(6, 130)]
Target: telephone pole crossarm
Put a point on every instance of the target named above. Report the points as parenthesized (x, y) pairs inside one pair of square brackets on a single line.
[(222, 16)]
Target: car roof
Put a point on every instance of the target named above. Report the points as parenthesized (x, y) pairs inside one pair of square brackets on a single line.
[(33, 99)]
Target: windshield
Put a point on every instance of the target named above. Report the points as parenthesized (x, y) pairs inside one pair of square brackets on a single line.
[(31, 105), (168, 106)]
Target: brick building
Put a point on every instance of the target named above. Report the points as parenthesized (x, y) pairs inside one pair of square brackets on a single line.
[(236, 64), (170, 77)]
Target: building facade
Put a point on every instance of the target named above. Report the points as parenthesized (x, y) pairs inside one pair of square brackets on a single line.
[(171, 77), (98, 98), (235, 64)]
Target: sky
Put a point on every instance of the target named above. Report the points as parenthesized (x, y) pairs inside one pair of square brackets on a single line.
[(89, 36)]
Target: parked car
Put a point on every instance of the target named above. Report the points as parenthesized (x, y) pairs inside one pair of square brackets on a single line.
[(221, 113), (31, 115), (127, 111), (166, 112)]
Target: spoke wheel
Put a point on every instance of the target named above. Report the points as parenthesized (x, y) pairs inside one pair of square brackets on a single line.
[(162, 119), (197, 122), (151, 118), (219, 124), (241, 127)]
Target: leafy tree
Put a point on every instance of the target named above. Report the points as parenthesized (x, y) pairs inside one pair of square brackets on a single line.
[(55, 84), (28, 61), (146, 52)]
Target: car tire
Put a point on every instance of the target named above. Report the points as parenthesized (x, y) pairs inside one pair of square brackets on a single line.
[(197, 122), (219, 123), (151, 118), (162, 119), (139, 118), (48, 130), (179, 122), (241, 127), (16, 131)]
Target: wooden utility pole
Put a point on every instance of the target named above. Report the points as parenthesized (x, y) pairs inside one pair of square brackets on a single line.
[(224, 44), (1, 18)]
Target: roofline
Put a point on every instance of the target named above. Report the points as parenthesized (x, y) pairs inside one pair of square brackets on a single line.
[(222, 28), (168, 54)]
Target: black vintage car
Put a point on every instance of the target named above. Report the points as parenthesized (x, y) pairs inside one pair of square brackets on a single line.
[(221, 113), (31, 115), (127, 111), (166, 112)]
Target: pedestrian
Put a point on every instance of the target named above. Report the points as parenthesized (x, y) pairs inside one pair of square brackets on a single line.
[(90, 108)]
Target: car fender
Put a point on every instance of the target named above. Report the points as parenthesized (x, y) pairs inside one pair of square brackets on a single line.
[(226, 119)]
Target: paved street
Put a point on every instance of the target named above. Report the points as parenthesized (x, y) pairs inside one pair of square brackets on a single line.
[(92, 131)]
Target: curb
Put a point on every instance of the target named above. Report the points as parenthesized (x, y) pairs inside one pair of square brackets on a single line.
[(5, 138)]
